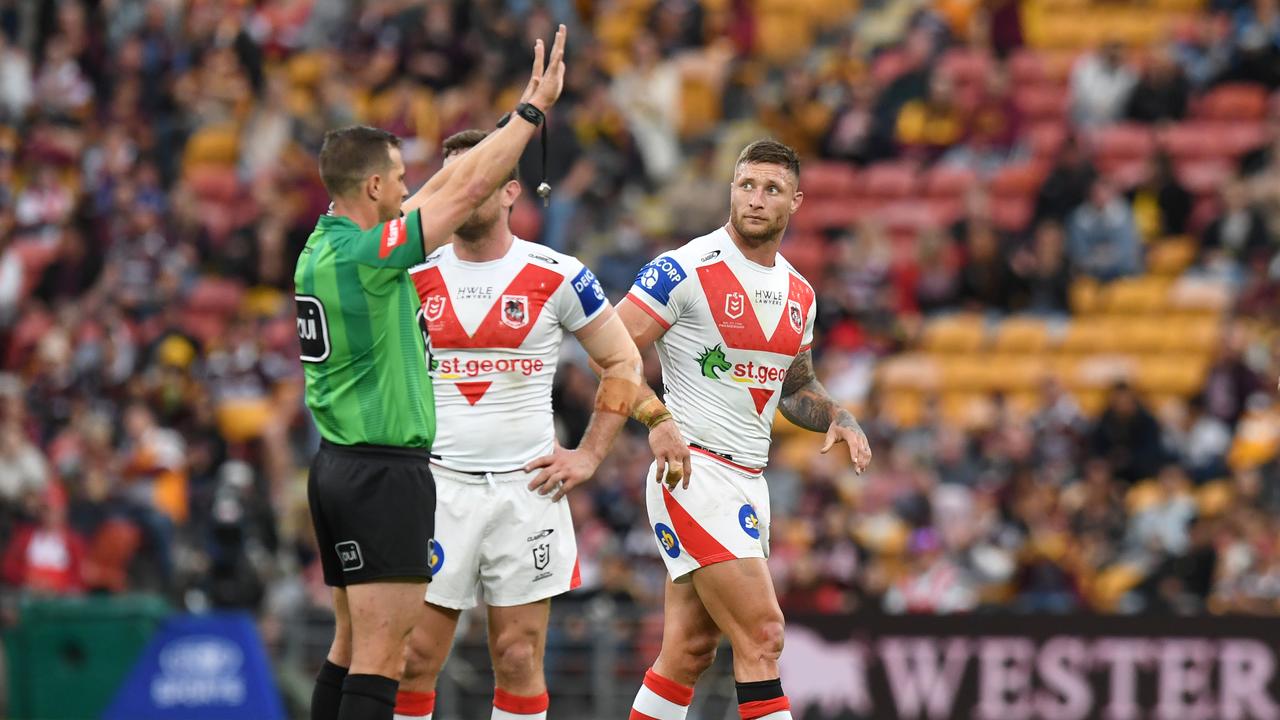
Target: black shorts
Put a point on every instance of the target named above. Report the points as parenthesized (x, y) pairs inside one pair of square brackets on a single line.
[(374, 511)]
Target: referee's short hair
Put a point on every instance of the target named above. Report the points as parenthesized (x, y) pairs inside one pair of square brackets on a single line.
[(350, 155), (770, 152), (460, 142)]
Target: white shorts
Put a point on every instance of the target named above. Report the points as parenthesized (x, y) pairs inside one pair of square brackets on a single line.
[(723, 515), (495, 536)]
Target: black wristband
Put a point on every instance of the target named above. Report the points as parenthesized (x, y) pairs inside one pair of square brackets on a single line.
[(530, 113)]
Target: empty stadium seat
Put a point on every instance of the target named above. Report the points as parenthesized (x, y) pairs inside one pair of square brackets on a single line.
[(1026, 335), (909, 371), (1136, 295), (1170, 257), (1017, 181), (954, 334), (1042, 102), (1122, 143), (890, 180), (829, 179), (949, 181), (1233, 101)]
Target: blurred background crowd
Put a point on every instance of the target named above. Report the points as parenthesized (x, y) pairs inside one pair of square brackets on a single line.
[(1043, 235)]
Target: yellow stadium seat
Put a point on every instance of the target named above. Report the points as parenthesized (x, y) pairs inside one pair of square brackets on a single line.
[(1022, 335), (971, 411), (904, 409), (1111, 584), (1015, 373), (1136, 295), (1092, 402), (964, 372), (1215, 497), (955, 334), (912, 371), (1171, 374), (1023, 405), (1087, 335), (1170, 257), (1085, 296), (699, 106), (1199, 335), (1137, 335), (213, 145)]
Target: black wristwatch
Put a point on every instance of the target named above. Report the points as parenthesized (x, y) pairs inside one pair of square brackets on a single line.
[(528, 111)]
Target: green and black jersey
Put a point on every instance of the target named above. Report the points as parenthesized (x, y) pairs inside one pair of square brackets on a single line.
[(362, 347)]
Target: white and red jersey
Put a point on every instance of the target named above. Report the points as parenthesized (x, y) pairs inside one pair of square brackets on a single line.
[(493, 336), (733, 330)]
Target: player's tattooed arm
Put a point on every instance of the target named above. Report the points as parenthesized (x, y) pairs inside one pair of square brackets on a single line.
[(807, 403)]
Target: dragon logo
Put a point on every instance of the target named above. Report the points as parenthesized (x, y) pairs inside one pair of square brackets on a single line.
[(713, 362)]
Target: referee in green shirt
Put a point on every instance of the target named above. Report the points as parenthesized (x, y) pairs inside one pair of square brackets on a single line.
[(370, 489)]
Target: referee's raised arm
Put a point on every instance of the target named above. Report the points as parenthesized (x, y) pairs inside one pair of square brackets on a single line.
[(449, 197)]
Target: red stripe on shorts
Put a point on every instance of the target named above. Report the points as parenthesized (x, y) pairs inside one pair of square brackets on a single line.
[(704, 548)]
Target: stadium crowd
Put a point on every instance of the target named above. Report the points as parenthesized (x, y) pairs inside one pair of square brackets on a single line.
[(157, 179)]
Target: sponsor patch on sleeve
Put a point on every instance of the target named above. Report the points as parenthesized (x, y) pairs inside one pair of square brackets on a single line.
[(659, 278), (590, 294), (393, 235)]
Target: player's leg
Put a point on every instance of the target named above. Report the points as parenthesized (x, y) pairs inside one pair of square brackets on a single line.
[(424, 656), (380, 554), (382, 614), (517, 642), (689, 640), (753, 621), (327, 694)]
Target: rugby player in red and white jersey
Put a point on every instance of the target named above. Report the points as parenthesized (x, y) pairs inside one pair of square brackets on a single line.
[(733, 323), (495, 309)]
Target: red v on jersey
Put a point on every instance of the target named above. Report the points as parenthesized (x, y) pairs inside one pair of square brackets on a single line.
[(473, 391), (736, 318), (508, 321), (760, 396)]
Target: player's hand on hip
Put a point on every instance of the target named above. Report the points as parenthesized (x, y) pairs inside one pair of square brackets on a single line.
[(562, 471), (545, 85), (846, 430), (671, 454)]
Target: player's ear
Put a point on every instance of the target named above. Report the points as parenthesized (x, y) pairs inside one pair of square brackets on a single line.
[(510, 193), (796, 201), (373, 187)]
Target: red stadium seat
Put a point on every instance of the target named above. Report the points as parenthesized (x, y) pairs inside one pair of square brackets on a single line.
[(1027, 67), (1046, 138), (966, 66), (1017, 181), (1204, 177), (829, 179), (1192, 140), (1241, 137), (908, 217), (1233, 101), (215, 295), (1121, 144), (890, 180), (949, 182), (1042, 102), (1012, 214)]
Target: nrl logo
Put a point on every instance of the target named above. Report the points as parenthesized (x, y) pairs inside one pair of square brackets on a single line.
[(541, 557), (515, 310), (433, 308), (734, 305)]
